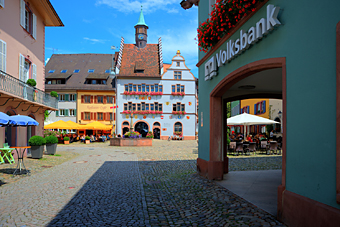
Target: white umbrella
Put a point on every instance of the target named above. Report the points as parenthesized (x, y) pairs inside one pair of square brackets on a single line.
[(249, 119)]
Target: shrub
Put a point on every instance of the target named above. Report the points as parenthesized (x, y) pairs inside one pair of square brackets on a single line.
[(87, 138), (31, 82), (36, 141), (66, 138), (51, 139), (149, 135), (54, 94)]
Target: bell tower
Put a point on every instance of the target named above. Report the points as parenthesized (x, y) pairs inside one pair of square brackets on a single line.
[(141, 34)]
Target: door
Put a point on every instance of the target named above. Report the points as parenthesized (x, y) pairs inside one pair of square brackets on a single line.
[(156, 133)]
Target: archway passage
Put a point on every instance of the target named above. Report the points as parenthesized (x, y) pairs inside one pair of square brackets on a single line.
[(142, 128), (260, 79)]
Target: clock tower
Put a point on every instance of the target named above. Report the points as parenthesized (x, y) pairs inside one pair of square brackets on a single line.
[(141, 34)]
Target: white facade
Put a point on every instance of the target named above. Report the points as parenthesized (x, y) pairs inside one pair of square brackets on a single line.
[(167, 119), (67, 108)]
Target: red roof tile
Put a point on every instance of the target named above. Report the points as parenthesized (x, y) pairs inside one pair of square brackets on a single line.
[(133, 56)]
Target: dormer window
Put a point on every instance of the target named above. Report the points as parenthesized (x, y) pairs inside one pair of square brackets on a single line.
[(63, 71), (139, 71), (107, 71), (91, 70), (51, 71), (177, 63), (76, 71)]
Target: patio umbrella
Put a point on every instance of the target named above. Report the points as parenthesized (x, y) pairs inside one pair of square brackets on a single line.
[(74, 124), (59, 125), (96, 126), (4, 118), (22, 120), (249, 119)]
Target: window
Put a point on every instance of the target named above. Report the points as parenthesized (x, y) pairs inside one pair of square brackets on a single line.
[(126, 87), (61, 112), (245, 109), (177, 63), (147, 106), (103, 81), (125, 107), (130, 106), (109, 99), (107, 71), (100, 99), (152, 106), (51, 71), (178, 86), (143, 105), (173, 88), (2, 56), (138, 106), (182, 88), (156, 87), (178, 107), (111, 117), (93, 81), (177, 75), (54, 82), (160, 88), (140, 88), (76, 71), (63, 71), (87, 98), (72, 112), (72, 97), (28, 20), (49, 82), (182, 107), (61, 97), (27, 70), (147, 88), (178, 127), (160, 107), (130, 87), (143, 87), (152, 88), (134, 87), (134, 106), (99, 116), (91, 70), (260, 107), (156, 106), (87, 116), (58, 81)]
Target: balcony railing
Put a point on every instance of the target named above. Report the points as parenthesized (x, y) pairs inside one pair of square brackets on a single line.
[(17, 87)]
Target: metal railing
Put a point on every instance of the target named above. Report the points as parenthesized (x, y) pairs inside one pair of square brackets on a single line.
[(17, 87)]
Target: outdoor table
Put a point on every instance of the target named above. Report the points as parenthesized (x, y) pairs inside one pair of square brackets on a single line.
[(21, 158), (5, 151)]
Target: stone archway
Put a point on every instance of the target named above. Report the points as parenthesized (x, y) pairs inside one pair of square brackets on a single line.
[(142, 127)]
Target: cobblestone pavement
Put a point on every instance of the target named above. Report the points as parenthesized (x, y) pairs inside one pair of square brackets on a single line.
[(112, 186)]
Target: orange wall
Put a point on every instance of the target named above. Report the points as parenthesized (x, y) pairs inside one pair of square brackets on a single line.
[(20, 42), (252, 102)]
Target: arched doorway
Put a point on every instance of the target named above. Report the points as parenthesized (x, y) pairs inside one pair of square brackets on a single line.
[(10, 132), (142, 128), (157, 130), (261, 79), (125, 127)]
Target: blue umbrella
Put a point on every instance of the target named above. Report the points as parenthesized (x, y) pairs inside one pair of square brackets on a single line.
[(4, 118), (22, 120)]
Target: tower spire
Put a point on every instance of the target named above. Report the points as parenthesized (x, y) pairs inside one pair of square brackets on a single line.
[(141, 20)]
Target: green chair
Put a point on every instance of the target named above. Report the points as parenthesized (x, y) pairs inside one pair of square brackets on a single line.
[(7, 153)]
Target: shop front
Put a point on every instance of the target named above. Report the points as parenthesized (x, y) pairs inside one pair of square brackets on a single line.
[(281, 50)]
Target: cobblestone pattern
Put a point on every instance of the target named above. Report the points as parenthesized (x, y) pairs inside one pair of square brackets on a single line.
[(108, 186)]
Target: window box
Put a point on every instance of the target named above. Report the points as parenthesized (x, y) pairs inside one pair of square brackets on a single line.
[(178, 112), (178, 93)]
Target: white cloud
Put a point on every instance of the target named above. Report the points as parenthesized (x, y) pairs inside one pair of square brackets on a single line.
[(172, 10), (128, 6), (94, 41)]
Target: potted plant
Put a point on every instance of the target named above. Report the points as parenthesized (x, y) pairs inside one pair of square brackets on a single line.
[(66, 140), (37, 146), (51, 144), (149, 135), (31, 82), (87, 139)]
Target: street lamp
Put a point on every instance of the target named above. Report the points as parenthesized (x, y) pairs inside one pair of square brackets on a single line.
[(113, 76)]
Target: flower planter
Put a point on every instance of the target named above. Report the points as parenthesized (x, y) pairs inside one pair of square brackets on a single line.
[(37, 151), (123, 142), (87, 142), (51, 148), (66, 142)]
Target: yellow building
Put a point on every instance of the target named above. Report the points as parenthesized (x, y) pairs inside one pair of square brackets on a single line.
[(96, 106), (258, 107)]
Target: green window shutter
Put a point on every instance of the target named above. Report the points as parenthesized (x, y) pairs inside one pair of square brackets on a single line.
[(66, 112), (75, 112), (67, 97), (75, 97), (57, 113)]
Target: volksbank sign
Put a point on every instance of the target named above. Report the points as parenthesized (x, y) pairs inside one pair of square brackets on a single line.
[(234, 48)]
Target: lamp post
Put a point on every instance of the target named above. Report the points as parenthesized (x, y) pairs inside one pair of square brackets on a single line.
[(113, 75)]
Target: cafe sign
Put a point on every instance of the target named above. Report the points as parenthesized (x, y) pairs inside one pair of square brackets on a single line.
[(235, 48)]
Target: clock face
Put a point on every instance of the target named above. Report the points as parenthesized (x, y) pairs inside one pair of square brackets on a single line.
[(140, 36)]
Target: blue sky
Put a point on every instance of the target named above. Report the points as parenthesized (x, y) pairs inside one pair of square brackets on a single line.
[(93, 26)]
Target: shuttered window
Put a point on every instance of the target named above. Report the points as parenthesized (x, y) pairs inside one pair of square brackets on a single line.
[(28, 20), (22, 75), (2, 56), (34, 26), (22, 13), (34, 72)]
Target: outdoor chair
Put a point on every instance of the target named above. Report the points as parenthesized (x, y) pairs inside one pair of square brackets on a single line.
[(7, 154), (232, 147), (239, 148), (252, 147), (264, 145), (272, 147)]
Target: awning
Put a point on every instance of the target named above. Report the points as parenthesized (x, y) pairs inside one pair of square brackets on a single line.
[(96, 126)]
